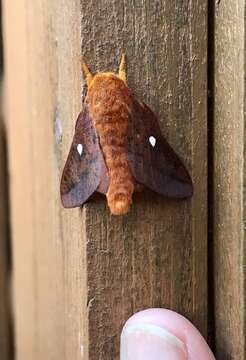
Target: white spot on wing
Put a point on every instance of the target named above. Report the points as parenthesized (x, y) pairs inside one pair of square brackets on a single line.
[(80, 149), (152, 141)]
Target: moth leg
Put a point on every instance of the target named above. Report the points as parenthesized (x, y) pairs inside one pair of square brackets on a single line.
[(88, 75), (122, 68)]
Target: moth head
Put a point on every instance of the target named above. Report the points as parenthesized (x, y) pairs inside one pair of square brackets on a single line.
[(90, 78)]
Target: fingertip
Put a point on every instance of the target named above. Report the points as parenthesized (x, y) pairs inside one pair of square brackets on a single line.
[(164, 331)]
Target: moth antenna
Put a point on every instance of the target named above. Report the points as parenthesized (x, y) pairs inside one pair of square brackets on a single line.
[(88, 75), (122, 68)]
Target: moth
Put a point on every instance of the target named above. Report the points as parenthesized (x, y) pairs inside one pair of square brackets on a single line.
[(118, 148)]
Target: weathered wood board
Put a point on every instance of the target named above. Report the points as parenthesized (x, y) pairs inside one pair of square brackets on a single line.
[(79, 274), (229, 180)]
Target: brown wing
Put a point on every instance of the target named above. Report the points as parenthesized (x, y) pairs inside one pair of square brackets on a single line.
[(85, 163), (152, 160)]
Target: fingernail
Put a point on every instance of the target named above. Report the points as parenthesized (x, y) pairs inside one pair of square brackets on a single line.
[(143, 341)]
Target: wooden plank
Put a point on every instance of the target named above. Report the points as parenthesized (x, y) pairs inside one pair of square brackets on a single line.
[(82, 273), (229, 202), (156, 256), (42, 61)]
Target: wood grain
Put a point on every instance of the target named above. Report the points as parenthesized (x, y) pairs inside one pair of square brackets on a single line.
[(229, 203), (43, 91), (81, 273)]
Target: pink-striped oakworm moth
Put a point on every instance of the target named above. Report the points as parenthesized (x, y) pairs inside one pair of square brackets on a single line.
[(118, 148)]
